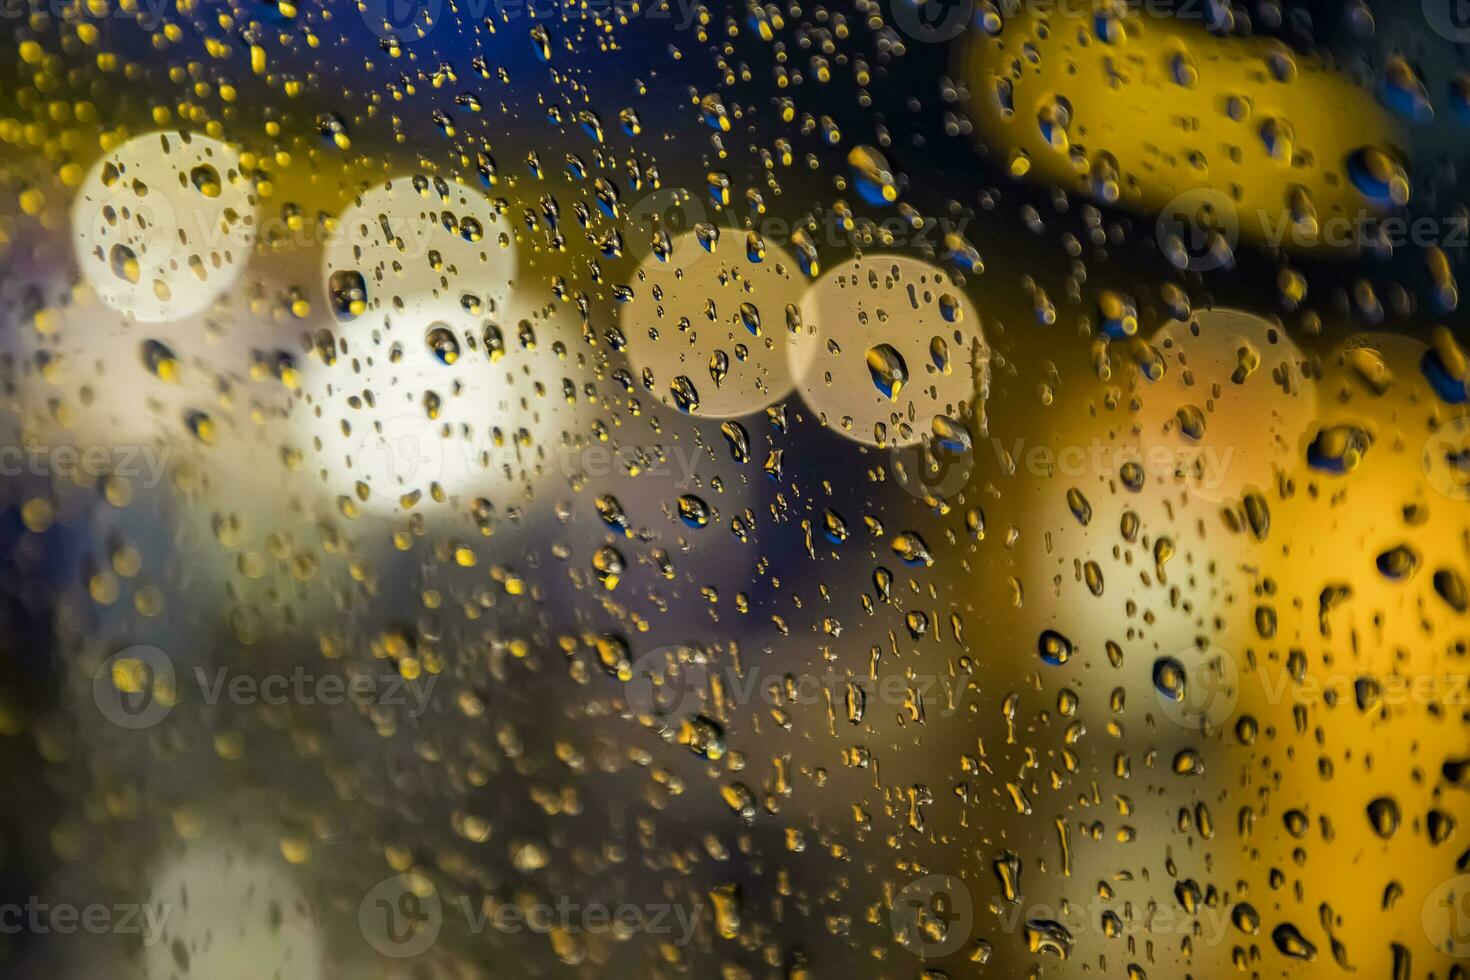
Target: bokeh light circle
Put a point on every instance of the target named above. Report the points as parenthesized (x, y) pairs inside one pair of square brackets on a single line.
[(163, 224), (1232, 406), (903, 311), (719, 321)]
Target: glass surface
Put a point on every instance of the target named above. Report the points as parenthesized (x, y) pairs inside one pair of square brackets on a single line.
[(646, 488)]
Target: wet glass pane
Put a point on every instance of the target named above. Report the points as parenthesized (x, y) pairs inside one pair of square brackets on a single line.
[(651, 488)]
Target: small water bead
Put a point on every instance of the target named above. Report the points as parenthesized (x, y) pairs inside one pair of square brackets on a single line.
[(494, 341), (719, 367), (124, 263), (685, 395), (912, 548), (205, 179), (1078, 504), (1378, 176), (1245, 918), (873, 175), (610, 509), (348, 293), (1339, 449), (1171, 679), (202, 426), (693, 511), (608, 565), (888, 370), (738, 439), (1053, 118), (750, 317), (442, 343), (1118, 314), (1398, 564), (1048, 936), (1451, 588), (1055, 649), (1383, 814), (1292, 943), (160, 360), (1404, 92), (939, 354)]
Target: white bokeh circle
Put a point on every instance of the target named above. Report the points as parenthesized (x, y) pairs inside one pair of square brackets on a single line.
[(918, 312), (231, 915), (698, 307), (427, 250), (163, 224)]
